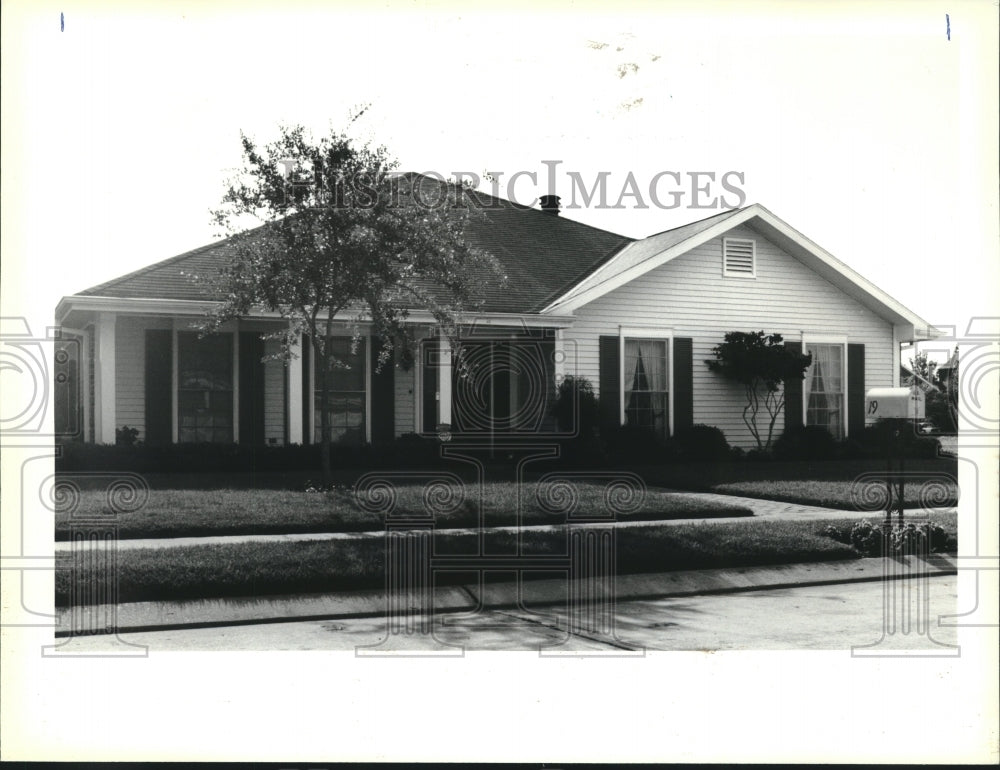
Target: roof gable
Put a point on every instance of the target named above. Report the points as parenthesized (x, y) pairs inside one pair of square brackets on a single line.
[(640, 257)]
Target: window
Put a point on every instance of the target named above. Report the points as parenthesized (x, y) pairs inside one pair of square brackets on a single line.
[(205, 388), (645, 385), (823, 387), (346, 402), (739, 258)]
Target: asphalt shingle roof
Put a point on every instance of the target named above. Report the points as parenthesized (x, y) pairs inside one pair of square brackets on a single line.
[(541, 254)]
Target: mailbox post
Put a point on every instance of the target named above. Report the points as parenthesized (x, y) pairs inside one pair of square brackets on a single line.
[(902, 407)]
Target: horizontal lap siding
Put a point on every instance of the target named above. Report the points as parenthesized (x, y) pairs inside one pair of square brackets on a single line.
[(274, 394), (690, 295), (404, 400), (130, 365)]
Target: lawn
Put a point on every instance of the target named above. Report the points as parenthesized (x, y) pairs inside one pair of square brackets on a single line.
[(208, 512), (830, 484), (267, 568)]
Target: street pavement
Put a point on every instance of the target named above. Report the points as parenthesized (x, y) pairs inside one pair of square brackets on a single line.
[(829, 617)]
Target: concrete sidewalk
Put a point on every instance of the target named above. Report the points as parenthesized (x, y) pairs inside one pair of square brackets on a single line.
[(202, 613)]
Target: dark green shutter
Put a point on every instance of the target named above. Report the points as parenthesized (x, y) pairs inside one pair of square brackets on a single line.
[(683, 383), (158, 386), (429, 385), (251, 376), (793, 394), (383, 396), (855, 389), (609, 383)]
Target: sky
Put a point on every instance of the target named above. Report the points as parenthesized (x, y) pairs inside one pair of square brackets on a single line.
[(864, 126)]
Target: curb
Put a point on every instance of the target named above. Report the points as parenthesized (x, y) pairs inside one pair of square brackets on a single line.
[(136, 617)]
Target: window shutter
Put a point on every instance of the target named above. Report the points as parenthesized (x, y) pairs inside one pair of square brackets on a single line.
[(855, 389), (251, 377), (608, 383), (739, 257), (429, 384), (383, 396), (159, 382), (793, 394), (683, 416)]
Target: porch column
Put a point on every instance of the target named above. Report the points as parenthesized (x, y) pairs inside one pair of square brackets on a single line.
[(104, 380), (558, 359), (294, 416), (444, 380), (87, 339)]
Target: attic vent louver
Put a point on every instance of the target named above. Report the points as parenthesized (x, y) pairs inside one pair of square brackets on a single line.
[(739, 257)]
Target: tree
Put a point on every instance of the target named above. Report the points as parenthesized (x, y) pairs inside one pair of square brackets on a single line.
[(924, 368), (941, 401), (344, 239), (761, 364)]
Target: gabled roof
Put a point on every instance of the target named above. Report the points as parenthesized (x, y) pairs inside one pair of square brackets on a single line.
[(639, 257), (542, 255)]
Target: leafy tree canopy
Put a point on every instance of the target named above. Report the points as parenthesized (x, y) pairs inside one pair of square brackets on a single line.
[(761, 364), (326, 232)]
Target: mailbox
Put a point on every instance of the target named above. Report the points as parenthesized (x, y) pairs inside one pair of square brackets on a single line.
[(905, 403)]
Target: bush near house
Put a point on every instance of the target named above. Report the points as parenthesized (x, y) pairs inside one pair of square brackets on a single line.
[(406, 451), (702, 443)]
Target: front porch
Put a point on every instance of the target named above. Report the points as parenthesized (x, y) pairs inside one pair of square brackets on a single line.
[(155, 375)]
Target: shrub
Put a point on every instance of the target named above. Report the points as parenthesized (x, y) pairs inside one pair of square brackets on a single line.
[(841, 536), (702, 443), (876, 438), (223, 458), (576, 407), (806, 442), (631, 442), (907, 540), (126, 436), (866, 538)]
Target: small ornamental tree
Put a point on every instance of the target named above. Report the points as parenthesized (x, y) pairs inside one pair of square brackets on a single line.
[(761, 364), (325, 233), (942, 402)]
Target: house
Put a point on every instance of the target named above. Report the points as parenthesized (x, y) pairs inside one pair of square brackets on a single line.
[(637, 318)]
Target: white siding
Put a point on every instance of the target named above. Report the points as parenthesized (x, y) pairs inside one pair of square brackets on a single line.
[(691, 296), (404, 399), (274, 395), (130, 370)]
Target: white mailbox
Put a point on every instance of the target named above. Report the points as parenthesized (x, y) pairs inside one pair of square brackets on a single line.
[(894, 402)]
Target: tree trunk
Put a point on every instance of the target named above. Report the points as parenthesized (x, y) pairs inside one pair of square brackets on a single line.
[(323, 367)]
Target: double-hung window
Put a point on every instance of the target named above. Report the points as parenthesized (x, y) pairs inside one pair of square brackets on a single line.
[(824, 387), (645, 384)]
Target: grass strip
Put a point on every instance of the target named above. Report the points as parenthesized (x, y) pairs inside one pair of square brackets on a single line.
[(843, 495), (263, 568), (200, 513)]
